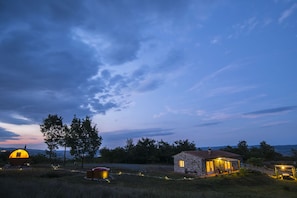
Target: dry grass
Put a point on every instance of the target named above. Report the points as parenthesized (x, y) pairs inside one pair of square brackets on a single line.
[(44, 182)]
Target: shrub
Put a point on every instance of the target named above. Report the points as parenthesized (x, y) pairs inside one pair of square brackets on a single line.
[(255, 161)]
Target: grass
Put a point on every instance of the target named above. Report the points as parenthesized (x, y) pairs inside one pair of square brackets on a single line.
[(44, 182)]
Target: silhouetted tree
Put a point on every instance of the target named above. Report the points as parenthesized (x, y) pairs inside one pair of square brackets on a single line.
[(4, 157), (294, 152), (106, 154), (145, 150), (129, 151), (52, 130), (183, 145), (268, 152), (83, 138), (254, 155), (165, 152), (243, 150), (39, 158), (230, 149)]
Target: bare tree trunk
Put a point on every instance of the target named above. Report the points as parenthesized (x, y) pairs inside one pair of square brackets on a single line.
[(82, 162), (64, 162)]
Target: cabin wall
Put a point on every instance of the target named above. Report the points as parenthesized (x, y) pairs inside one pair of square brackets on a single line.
[(192, 164)]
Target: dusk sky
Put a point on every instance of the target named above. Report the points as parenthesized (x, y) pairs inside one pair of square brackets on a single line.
[(213, 72)]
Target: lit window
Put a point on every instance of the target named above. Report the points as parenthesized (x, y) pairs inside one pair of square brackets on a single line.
[(181, 163)]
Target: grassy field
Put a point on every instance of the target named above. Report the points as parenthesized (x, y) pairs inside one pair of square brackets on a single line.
[(45, 182)]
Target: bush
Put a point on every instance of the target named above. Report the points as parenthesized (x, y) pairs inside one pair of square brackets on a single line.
[(255, 161)]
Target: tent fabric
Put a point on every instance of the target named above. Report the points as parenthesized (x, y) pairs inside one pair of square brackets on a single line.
[(19, 154)]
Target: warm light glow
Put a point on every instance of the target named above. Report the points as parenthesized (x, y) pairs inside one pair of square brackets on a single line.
[(209, 166), (227, 165), (181, 163), (104, 174), (283, 168)]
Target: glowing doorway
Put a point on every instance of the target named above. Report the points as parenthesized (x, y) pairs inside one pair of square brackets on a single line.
[(209, 167)]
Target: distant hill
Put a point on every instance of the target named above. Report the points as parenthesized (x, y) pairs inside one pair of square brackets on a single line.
[(285, 150)]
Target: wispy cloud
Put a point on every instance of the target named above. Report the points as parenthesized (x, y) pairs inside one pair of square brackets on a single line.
[(228, 90), (159, 115), (245, 27), (271, 111), (220, 115), (287, 13), (175, 111), (215, 40), (20, 117), (277, 123), (207, 78), (207, 124)]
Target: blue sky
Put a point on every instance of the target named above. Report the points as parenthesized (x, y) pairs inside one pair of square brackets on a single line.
[(213, 72)]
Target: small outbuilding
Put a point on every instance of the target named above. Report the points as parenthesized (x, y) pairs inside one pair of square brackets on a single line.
[(19, 157), (285, 171), (207, 162)]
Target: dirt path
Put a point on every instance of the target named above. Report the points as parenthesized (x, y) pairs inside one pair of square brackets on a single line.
[(134, 167)]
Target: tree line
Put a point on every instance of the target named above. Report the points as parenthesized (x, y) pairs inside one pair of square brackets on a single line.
[(256, 155), (81, 137), (83, 140), (145, 151)]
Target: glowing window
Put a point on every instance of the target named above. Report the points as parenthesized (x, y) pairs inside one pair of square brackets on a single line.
[(181, 163), (18, 154), (227, 165)]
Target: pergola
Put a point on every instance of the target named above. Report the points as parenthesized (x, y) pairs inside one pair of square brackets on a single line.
[(282, 171)]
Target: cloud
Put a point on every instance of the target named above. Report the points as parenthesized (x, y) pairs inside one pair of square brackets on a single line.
[(215, 40), (271, 111), (51, 51), (211, 76), (287, 13), (246, 27), (43, 69), (20, 117), (20, 133), (7, 135), (228, 90), (136, 133), (206, 124), (220, 116), (277, 123)]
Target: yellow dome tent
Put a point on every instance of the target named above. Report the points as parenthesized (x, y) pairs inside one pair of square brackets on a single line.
[(18, 157)]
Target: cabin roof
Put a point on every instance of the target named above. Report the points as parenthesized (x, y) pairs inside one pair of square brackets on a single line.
[(212, 154)]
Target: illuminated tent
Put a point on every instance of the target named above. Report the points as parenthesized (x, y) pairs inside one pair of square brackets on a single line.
[(18, 157)]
